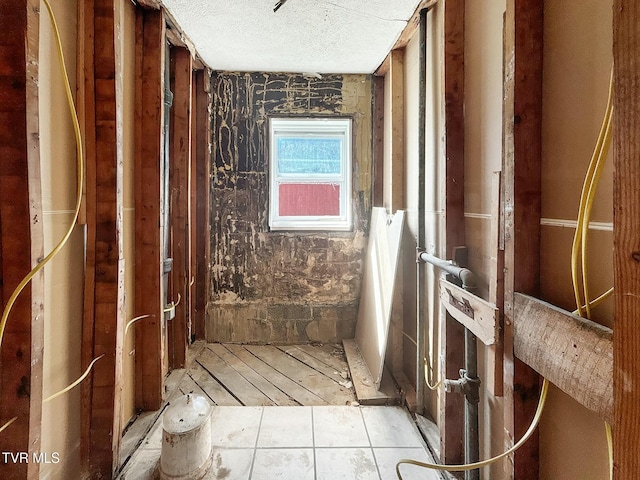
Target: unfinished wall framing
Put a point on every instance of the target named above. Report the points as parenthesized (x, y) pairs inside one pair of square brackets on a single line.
[(281, 286), (21, 239)]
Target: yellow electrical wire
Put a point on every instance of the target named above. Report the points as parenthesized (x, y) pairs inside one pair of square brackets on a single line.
[(589, 205), (134, 320), (580, 239), (80, 180), (80, 161), (428, 368), (586, 201), (597, 301), (484, 463), (77, 382)]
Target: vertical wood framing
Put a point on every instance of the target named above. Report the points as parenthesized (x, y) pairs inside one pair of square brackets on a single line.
[(494, 380), (149, 110), (103, 325), (203, 185), (522, 201), (180, 145), (378, 140), (626, 155), (394, 126), (193, 253), (21, 235), (452, 336)]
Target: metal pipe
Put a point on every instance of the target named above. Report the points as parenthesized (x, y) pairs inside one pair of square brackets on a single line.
[(468, 384), (422, 156), (465, 275), (472, 399)]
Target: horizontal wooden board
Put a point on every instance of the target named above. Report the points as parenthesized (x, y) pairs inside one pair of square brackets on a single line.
[(573, 353), (478, 315), (214, 390), (366, 391)]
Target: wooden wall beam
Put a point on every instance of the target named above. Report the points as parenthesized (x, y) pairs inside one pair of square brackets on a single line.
[(626, 155), (452, 333), (522, 205), (573, 353), (149, 111), (21, 235), (180, 145), (103, 324), (203, 185)]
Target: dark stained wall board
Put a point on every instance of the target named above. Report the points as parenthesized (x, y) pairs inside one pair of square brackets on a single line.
[(281, 286)]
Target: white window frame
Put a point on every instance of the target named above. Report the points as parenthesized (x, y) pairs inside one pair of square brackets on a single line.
[(311, 127)]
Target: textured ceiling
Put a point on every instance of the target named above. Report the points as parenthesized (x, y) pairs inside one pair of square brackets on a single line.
[(303, 36)]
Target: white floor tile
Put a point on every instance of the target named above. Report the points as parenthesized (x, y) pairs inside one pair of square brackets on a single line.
[(235, 427), (388, 457), (345, 464), (286, 427), (283, 464), (339, 426), (391, 427), (234, 464)]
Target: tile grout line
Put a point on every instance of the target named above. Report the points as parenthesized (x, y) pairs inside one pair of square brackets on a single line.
[(313, 443), (373, 454), (255, 445)]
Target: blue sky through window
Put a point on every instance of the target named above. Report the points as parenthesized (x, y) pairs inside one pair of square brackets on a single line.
[(304, 155)]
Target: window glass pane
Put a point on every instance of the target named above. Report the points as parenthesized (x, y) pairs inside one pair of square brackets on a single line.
[(304, 155), (301, 199)]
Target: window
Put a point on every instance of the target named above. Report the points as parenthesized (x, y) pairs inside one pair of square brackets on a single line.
[(310, 174)]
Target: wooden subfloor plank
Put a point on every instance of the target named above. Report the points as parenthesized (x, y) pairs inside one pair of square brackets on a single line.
[(239, 386), (365, 387), (188, 385), (328, 354), (278, 397), (284, 383), (212, 387), (302, 374), (311, 361)]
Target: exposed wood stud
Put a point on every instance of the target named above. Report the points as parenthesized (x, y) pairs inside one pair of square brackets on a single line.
[(394, 126), (378, 140), (522, 204), (452, 336), (626, 152), (103, 325), (203, 187), (180, 147), (150, 345), (494, 380), (20, 232)]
